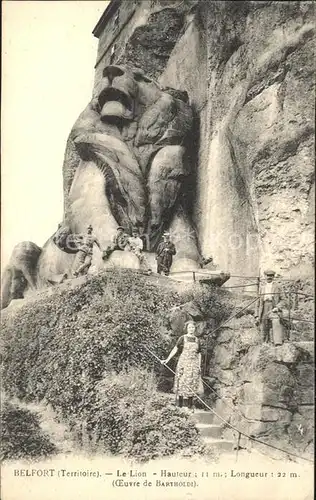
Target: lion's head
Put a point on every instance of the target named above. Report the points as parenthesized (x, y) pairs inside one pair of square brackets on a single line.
[(123, 93)]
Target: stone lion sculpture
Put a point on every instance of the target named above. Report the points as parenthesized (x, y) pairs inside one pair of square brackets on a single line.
[(125, 164)]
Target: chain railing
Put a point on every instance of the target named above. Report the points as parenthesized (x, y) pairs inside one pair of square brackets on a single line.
[(228, 424), (291, 294)]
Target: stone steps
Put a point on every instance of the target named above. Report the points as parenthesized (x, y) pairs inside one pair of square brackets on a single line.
[(204, 417), (212, 433), (210, 430), (220, 445)]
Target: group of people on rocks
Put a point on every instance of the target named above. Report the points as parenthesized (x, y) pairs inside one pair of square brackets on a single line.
[(122, 240), (268, 315), (188, 378)]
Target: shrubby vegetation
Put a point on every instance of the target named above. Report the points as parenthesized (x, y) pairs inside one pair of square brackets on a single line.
[(21, 435), (56, 346), (213, 302), (79, 347), (130, 417)]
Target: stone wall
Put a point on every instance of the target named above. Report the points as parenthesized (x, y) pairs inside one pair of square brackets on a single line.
[(248, 69), (265, 391)]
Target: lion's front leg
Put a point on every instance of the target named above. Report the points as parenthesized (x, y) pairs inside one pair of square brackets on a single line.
[(122, 183), (164, 184), (184, 237)]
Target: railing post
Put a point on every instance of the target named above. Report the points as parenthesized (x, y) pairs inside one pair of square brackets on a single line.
[(193, 272), (206, 354), (295, 305), (289, 318), (237, 446)]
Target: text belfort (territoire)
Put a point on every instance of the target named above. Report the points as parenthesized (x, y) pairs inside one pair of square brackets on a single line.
[(52, 472), (128, 478)]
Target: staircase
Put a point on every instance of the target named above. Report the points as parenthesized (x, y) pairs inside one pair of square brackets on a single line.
[(212, 432)]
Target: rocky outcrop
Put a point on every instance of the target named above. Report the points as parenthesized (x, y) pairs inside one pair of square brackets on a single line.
[(264, 391), (151, 44)]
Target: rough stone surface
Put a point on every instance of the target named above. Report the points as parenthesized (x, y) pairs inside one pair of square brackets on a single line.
[(260, 69), (248, 69), (287, 353), (264, 391), (150, 45)]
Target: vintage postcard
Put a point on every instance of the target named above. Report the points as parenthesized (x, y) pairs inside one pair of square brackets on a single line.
[(157, 278)]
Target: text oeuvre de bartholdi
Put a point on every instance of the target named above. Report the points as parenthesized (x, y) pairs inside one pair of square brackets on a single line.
[(162, 478)]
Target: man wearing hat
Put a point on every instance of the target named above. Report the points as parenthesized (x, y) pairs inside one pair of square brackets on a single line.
[(119, 242), (165, 252), (84, 255), (269, 298)]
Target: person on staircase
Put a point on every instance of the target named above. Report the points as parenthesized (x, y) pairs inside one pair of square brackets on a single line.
[(187, 381)]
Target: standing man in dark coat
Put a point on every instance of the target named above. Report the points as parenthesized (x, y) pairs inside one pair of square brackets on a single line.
[(270, 296), (165, 252)]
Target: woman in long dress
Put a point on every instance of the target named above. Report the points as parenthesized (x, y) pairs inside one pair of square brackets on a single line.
[(277, 334), (187, 380)]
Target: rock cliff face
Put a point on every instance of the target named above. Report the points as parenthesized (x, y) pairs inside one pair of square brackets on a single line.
[(260, 69), (248, 70), (266, 391)]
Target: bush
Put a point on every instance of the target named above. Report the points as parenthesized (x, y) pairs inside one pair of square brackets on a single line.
[(213, 302), (21, 435), (60, 346), (131, 418)]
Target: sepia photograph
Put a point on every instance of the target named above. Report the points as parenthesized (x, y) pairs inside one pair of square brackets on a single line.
[(157, 250)]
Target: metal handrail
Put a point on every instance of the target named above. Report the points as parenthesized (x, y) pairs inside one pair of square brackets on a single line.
[(226, 422)]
